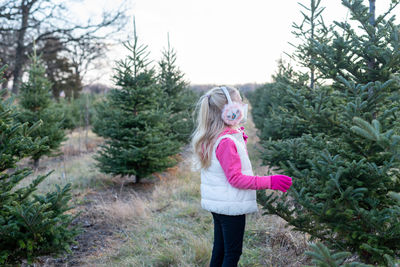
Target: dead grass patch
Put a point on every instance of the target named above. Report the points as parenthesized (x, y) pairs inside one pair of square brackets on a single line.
[(122, 212)]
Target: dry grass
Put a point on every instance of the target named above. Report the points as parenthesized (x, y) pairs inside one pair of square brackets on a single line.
[(80, 141), (122, 212), (75, 165)]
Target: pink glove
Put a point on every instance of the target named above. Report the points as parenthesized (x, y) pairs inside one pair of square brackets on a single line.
[(280, 182)]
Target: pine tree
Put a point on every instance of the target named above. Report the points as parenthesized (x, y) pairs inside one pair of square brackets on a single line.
[(37, 105), (135, 120), (30, 224), (312, 29), (180, 98), (340, 141), (323, 257), (270, 100)]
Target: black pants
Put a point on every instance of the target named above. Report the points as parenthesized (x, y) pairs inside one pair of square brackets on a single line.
[(228, 240)]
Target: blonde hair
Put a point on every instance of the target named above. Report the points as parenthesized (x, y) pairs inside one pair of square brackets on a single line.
[(209, 124)]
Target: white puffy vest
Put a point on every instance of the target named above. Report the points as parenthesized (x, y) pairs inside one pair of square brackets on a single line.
[(217, 195)]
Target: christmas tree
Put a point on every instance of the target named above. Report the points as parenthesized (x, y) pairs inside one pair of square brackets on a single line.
[(338, 136), (321, 256), (36, 105), (30, 224), (180, 98), (134, 119)]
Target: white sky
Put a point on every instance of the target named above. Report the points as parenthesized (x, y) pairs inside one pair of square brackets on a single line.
[(219, 41)]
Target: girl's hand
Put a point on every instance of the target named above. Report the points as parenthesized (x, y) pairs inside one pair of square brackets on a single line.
[(280, 182)]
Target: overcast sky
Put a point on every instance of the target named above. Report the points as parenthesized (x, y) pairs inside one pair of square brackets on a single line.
[(219, 41)]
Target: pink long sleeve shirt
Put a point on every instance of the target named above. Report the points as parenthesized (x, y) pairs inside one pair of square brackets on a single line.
[(229, 159)]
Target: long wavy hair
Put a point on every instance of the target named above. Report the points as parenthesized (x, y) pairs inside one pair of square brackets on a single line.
[(209, 124)]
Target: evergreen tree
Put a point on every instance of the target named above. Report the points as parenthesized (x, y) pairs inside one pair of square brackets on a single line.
[(270, 102), (134, 119), (180, 98), (30, 224), (311, 30), (323, 257), (340, 141), (78, 112), (36, 104)]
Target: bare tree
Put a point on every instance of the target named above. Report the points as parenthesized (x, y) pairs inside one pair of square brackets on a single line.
[(82, 54), (25, 22)]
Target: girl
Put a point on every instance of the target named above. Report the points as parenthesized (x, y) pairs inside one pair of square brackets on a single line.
[(227, 181)]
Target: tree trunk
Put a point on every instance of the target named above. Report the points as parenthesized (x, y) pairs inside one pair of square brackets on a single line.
[(86, 122), (78, 82), (371, 62), (372, 12), (312, 68), (36, 163), (20, 51), (4, 85), (7, 75)]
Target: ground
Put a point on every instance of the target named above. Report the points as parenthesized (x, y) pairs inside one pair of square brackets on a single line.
[(157, 222)]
